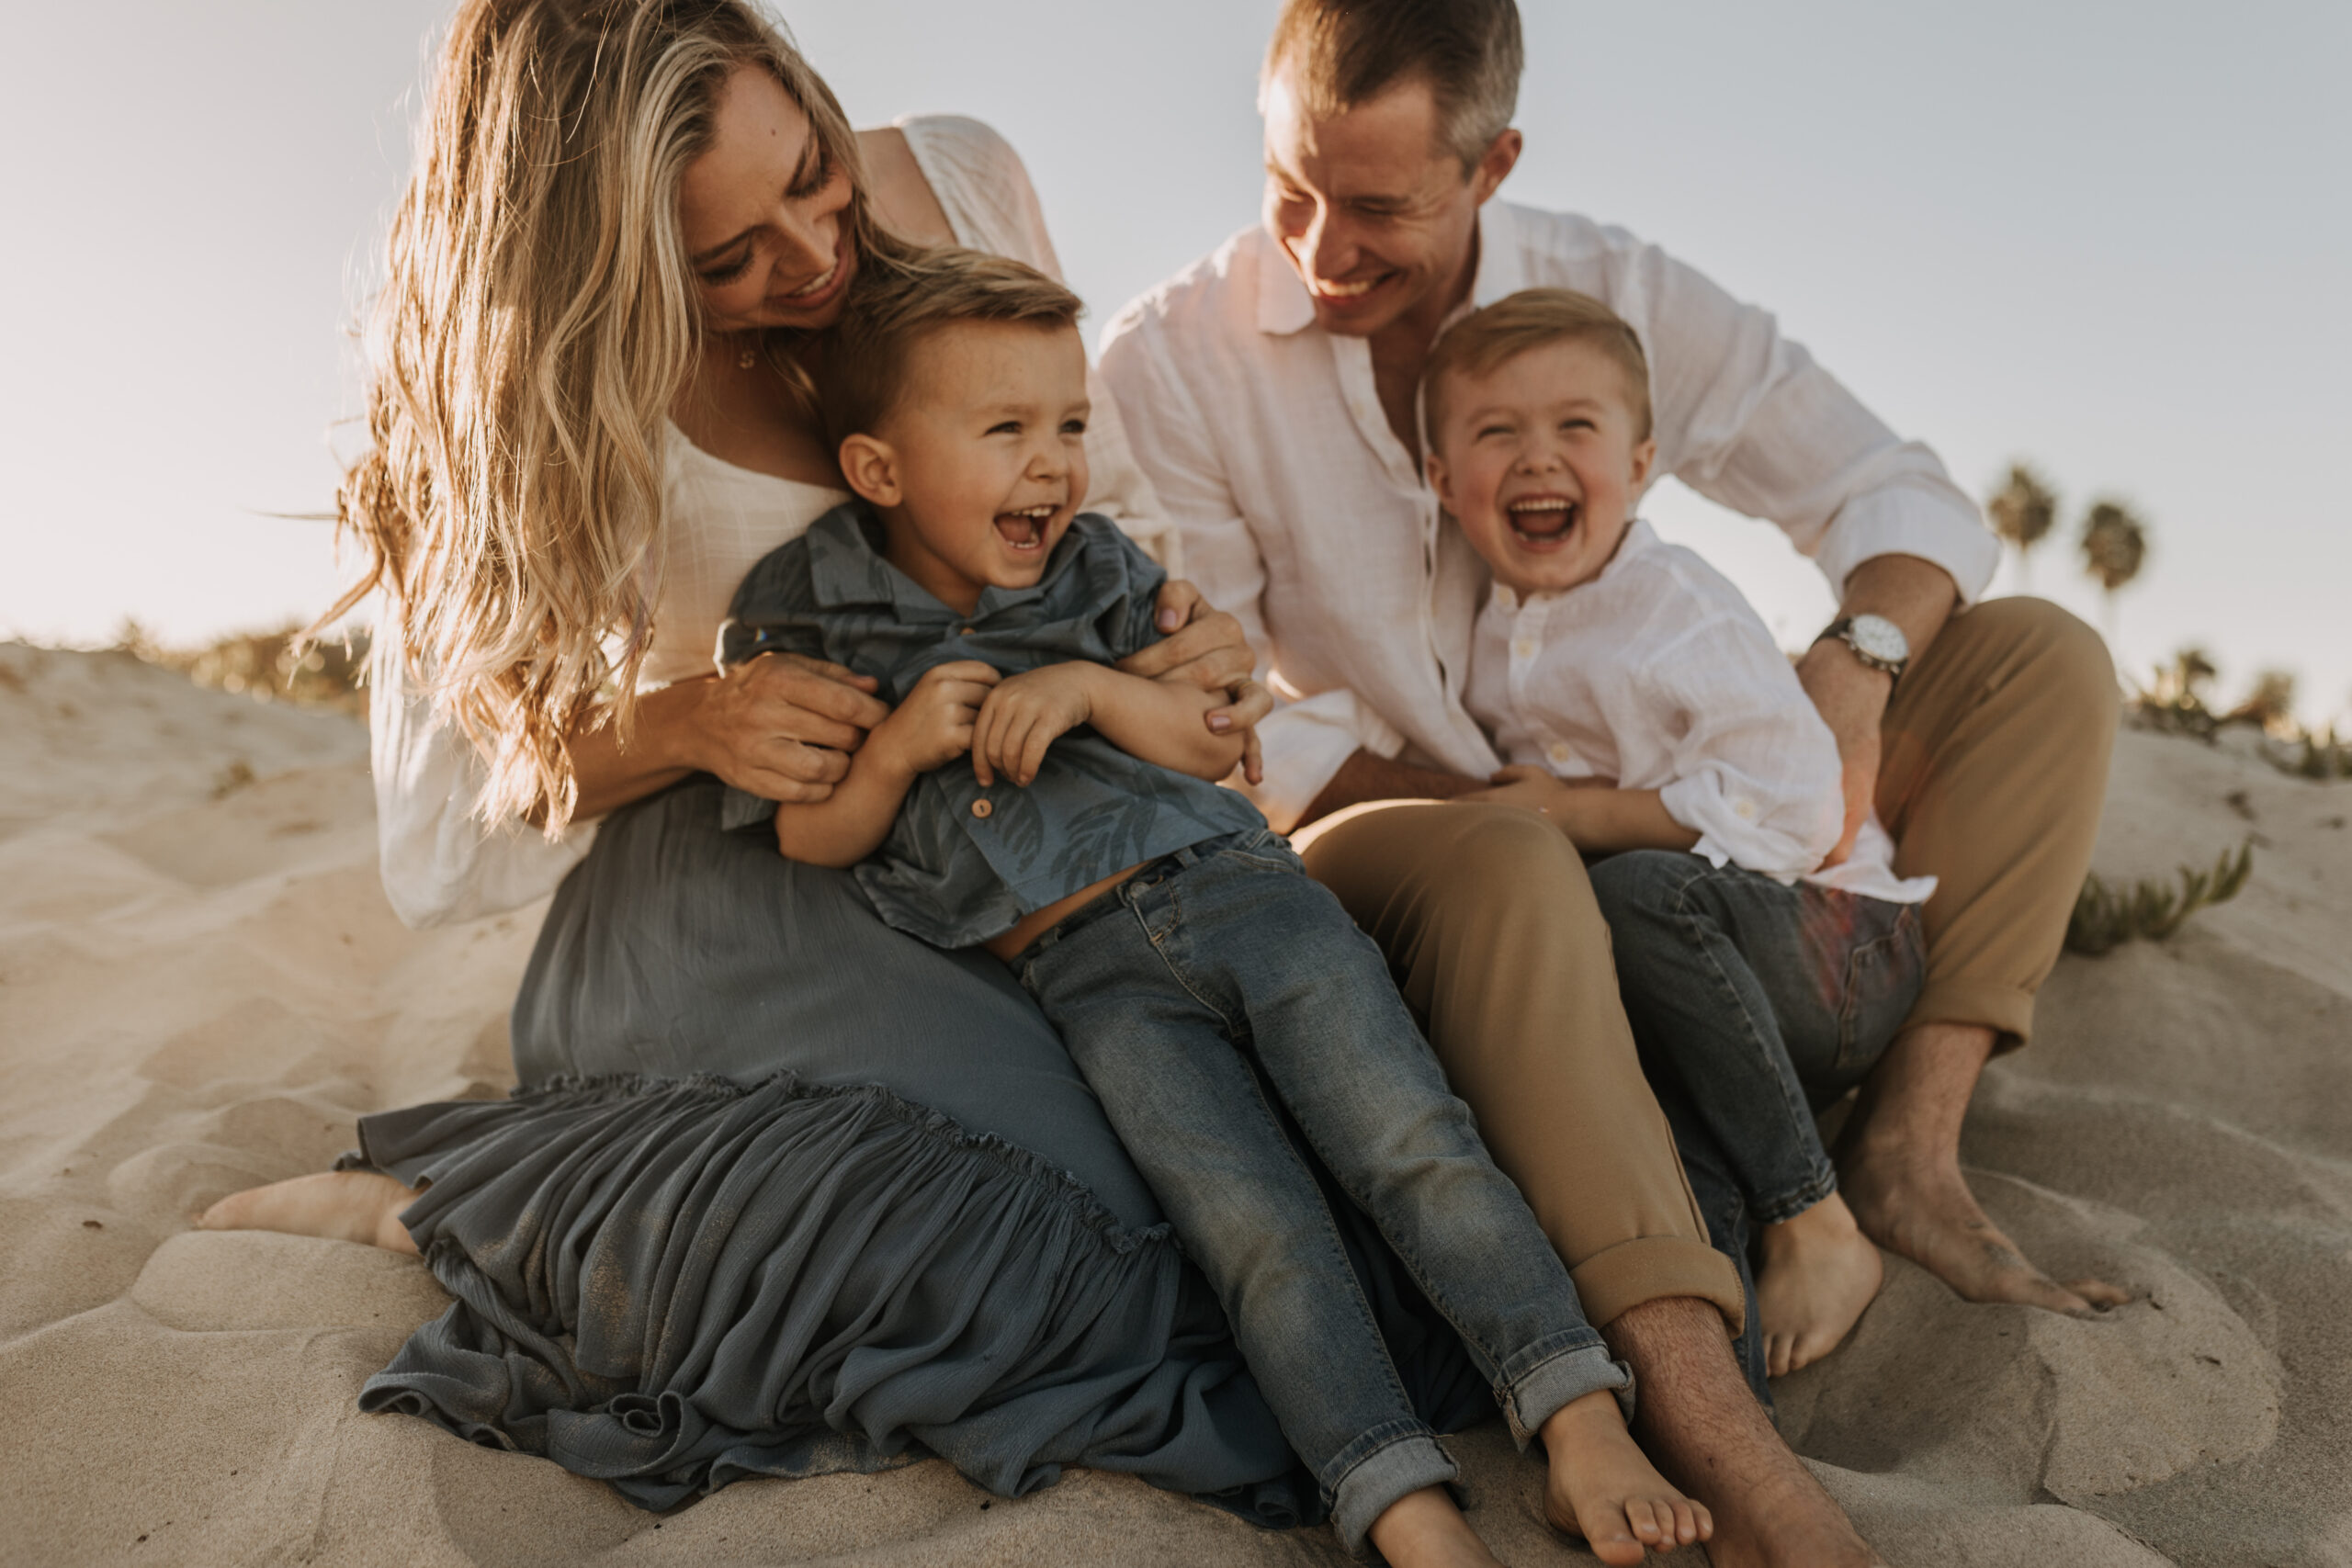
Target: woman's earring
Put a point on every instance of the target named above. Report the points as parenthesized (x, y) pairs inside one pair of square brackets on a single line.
[(748, 357)]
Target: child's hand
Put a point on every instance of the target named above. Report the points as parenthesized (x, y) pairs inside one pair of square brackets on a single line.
[(1024, 715), (933, 726)]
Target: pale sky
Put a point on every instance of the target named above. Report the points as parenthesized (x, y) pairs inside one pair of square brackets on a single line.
[(2110, 236)]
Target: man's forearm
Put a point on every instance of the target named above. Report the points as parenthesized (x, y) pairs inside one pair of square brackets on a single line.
[(1366, 776), (1917, 595)]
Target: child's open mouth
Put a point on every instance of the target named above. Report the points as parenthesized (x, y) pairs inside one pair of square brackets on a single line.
[(1024, 529), (1544, 522)]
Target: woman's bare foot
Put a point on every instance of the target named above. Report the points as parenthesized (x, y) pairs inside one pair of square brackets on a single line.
[(1424, 1529), (1819, 1272), (1898, 1164), (1603, 1487), (339, 1205)]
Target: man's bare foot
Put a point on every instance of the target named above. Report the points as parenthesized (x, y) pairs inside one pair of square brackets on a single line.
[(1898, 1163), (1819, 1272), (1697, 1420), (339, 1205), (1424, 1529), (1603, 1488)]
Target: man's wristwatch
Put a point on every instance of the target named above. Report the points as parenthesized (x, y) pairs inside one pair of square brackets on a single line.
[(1878, 642)]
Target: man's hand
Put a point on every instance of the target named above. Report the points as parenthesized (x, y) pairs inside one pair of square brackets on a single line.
[(1204, 647), (933, 726), (782, 726), (1852, 700), (1026, 713)]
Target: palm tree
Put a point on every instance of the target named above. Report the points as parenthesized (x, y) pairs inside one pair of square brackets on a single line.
[(2115, 547), (2270, 704), (2022, 511)]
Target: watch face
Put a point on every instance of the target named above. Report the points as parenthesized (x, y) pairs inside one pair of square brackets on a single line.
[(1881, 638)]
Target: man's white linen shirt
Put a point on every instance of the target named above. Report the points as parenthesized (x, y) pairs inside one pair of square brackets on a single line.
[(1659, 675), (1303, 514)]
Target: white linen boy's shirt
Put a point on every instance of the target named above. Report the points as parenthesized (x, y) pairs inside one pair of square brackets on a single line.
[(1303, 514), (1659, 675)]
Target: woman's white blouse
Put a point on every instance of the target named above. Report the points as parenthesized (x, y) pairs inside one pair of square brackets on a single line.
[(439, 863), (1659, 675)]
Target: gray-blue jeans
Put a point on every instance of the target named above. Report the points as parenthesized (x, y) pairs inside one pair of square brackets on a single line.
[(1221, 987), (1754, 1004)]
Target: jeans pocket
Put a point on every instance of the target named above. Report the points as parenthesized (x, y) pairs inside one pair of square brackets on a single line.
[(1265, 847), (1882, 979)]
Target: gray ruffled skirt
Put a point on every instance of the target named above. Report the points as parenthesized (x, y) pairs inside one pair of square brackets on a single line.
[(784, 1192)]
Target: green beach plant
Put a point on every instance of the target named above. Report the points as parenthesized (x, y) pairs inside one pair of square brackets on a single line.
[(2105, 918)]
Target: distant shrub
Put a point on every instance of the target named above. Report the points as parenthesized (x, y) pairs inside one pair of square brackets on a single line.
[(266, 666), (2106, 918)]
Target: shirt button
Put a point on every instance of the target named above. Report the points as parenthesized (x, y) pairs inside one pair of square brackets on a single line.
[(1523, 649), (1747, 809), (983, 809), (1558, 751)]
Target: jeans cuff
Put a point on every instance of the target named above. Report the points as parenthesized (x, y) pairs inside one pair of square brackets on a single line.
[(1408, 1461), (1778, 1208), (1535, 1396)]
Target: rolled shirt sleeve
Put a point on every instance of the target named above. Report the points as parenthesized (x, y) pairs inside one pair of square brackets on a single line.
[(1749, 420), (440, 866)]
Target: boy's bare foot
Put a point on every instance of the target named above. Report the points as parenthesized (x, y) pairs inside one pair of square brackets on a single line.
[(1898, 1163), (339, 1205), (1603, 1488), (1819, 1272), (1424, 1529)]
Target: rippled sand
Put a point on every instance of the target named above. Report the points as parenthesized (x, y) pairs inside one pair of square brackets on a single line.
[(201, 987)]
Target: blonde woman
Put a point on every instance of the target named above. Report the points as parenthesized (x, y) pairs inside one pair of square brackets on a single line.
[(782, 1190)]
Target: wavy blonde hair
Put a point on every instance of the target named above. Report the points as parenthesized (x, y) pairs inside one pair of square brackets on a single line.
[(538, 317)]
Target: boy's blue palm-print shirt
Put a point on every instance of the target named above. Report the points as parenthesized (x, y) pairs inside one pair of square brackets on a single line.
[(964, 864)]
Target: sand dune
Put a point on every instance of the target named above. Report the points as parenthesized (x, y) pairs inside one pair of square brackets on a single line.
[(201, 987)]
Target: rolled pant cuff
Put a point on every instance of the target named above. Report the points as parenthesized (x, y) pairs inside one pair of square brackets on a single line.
[(1558, 1381), (2007, 1010), (1655, 1268), (1402, 1458), (1781, 1207)]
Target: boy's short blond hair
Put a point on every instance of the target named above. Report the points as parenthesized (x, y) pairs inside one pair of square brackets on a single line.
[(1530, 318), (865, 358)]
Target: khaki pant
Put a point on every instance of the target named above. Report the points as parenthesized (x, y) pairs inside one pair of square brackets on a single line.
[(1997, 746), (1996, 763)]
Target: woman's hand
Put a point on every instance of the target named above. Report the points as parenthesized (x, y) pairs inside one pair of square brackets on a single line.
[(1204, 647), (782, 726)]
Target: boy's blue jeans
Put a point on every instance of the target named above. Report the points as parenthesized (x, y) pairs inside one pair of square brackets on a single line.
[(1754, 1004), (1222, 975)]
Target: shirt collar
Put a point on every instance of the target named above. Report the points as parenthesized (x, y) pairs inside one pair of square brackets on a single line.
[(1284, 306), (1639, 537), (847, 567)]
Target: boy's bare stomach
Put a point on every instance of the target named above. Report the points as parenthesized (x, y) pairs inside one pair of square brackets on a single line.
[(1008, 946)]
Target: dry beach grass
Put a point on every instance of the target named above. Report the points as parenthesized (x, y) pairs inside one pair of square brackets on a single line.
[(201, 987)]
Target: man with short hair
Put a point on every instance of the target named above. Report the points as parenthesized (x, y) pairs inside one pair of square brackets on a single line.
[(1269, 391)]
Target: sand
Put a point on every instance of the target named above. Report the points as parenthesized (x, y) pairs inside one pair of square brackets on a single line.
[(201, 987)]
